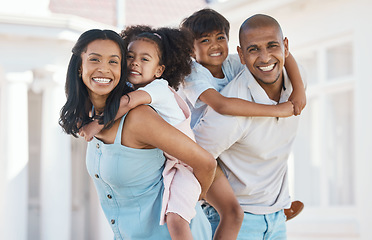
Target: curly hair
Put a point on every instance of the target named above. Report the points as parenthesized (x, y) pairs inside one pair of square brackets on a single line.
[(175, 48), (205, 21), (74, 113)]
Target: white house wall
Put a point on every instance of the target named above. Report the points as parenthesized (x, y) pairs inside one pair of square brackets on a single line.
[(38, 198)]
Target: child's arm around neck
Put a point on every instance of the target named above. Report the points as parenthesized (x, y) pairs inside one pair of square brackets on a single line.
[(298, 96), (127, 102), (240, 107), (132, 100)]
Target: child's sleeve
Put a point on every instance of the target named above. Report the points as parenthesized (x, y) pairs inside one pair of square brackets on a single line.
[(199, 80), (232, 66), (157, 90)]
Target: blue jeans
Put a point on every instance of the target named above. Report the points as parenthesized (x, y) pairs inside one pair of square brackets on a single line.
[(255, 227)]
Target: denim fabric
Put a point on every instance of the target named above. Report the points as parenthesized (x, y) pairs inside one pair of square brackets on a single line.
[(213, 217), (130, 188), (255, 227)]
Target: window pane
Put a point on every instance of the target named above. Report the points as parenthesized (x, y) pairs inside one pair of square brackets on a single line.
[(309, 63), (339, 148), (307, 164), (339, 61)]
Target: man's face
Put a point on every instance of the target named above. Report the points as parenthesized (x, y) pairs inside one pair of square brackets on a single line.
[(263, 51)]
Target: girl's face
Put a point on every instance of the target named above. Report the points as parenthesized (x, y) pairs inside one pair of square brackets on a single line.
[(143, 62), (101, 67)]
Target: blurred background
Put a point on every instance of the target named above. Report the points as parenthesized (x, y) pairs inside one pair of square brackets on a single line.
[(45, 191)]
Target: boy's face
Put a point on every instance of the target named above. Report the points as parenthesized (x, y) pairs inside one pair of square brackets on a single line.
[(263, 50), (211, 49)]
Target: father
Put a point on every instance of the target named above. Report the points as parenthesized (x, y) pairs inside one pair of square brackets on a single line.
[(253, 151)]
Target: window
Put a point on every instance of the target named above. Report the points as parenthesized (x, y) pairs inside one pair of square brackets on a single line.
[(339, 61), (323, 152)]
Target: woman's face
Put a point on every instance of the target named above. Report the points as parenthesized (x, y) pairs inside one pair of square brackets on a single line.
[(101, 67)]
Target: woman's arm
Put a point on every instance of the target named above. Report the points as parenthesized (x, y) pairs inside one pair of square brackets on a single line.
[(298, 96), (239, 107), (144, 128)]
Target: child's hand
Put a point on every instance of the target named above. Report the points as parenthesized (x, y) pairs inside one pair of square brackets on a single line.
[(285, 109), (298, 99), (89, 130)]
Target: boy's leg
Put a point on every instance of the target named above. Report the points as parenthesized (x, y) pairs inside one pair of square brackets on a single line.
[(221, 196), (296, 208), (178, 227)]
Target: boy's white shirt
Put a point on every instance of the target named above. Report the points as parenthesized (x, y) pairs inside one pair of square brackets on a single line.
[(200, 79)]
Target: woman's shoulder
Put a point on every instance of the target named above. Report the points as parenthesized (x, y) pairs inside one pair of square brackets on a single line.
[(108, 135), (140, 125), (141, 118), (140, 112)]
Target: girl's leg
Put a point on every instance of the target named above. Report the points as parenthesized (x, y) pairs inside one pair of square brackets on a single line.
[(178, 227), (184, 192), (221, 196)]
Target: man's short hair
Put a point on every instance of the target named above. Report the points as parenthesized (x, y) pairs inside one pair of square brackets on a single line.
[(257, 21)]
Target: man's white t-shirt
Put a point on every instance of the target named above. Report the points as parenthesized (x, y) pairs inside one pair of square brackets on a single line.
[(253, 151)]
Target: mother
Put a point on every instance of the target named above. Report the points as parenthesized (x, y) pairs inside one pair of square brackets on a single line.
[(126, 159)]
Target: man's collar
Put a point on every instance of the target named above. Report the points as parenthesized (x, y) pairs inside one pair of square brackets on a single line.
[(258, 93)]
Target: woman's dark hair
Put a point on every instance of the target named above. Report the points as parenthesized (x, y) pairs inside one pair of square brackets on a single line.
[(74, 113), (205, 21), (175, 48)]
